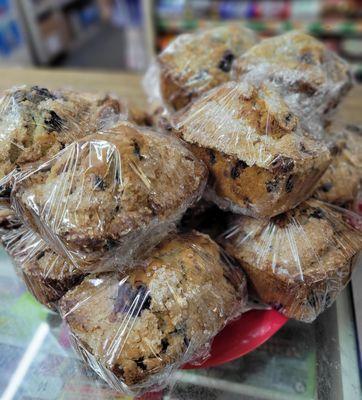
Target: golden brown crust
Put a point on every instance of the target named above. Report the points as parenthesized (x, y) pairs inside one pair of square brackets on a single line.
[(46, 274), (119, 188), (168, 308), (189, 68), (298, 261), (311, 77), (342, 180), (37, 123), (261, 161), (259, 191)]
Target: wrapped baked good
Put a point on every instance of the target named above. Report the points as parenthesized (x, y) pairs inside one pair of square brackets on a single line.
[(134, 328), (342, 180), (196, 62), (36, 123), (297, 262), (47, 275), (8, 220), (261, 161), (105, 200), (311, 78)]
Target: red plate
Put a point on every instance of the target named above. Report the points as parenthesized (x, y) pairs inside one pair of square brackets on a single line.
[(242, 336)]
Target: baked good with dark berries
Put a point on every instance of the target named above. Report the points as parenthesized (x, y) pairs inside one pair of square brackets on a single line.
[(194, 63), (342, 180), (112, 196), (37, 123), (261, 161), (311, 78), (47, 275), (297, 262), (135, 328)]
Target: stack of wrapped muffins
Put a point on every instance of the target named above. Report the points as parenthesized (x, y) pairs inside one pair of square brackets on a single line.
[(144, 230)]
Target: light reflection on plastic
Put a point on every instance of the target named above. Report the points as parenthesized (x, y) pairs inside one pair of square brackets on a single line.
[(25, 362)]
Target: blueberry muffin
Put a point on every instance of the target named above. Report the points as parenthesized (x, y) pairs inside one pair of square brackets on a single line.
[(311, 78), (111, 196), (135, 327), (299, 261), (196, 62), (36, 124), (47, 275), (341, 182), (261, 161)]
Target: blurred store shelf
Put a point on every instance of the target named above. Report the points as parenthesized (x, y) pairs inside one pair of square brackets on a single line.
[(334, 22)]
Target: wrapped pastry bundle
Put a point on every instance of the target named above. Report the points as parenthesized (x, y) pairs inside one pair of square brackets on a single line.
[(261, 161), (96, 200), (135, 327), (195, 63), (311, 78), (36, 123), (299, 261), (105, 200), (342, 180), (47, 275)]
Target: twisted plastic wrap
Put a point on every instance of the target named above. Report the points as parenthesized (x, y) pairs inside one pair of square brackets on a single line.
[(135, 328), (36, 123), (194, 63), (342, 181), (311, 78), (104, 200), (47, 275), (261, 161), (299, 261)]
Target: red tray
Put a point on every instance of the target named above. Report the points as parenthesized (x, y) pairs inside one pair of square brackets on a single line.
[(242, 336)]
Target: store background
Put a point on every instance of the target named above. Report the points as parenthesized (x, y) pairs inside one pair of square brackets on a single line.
[(125, 34)]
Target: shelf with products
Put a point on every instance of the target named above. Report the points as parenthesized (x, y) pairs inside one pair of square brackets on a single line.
[(59, 26), (43, 7), (334, 22), (333, 32), (14, 49), (341, 28)]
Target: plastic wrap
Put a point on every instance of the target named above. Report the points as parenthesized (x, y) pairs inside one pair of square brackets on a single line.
[(311, 78), (342, 181), (8, 220), (135, 328), (47, 275), (297, 262), (261, 161), (194, 63), (35, 124), (104, 200)]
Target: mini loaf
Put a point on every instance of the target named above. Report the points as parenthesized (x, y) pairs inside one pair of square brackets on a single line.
[(297, 262), (110, 197), (261, 161), (341, 182), (311, 78), (135, 328), (194, 63)]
